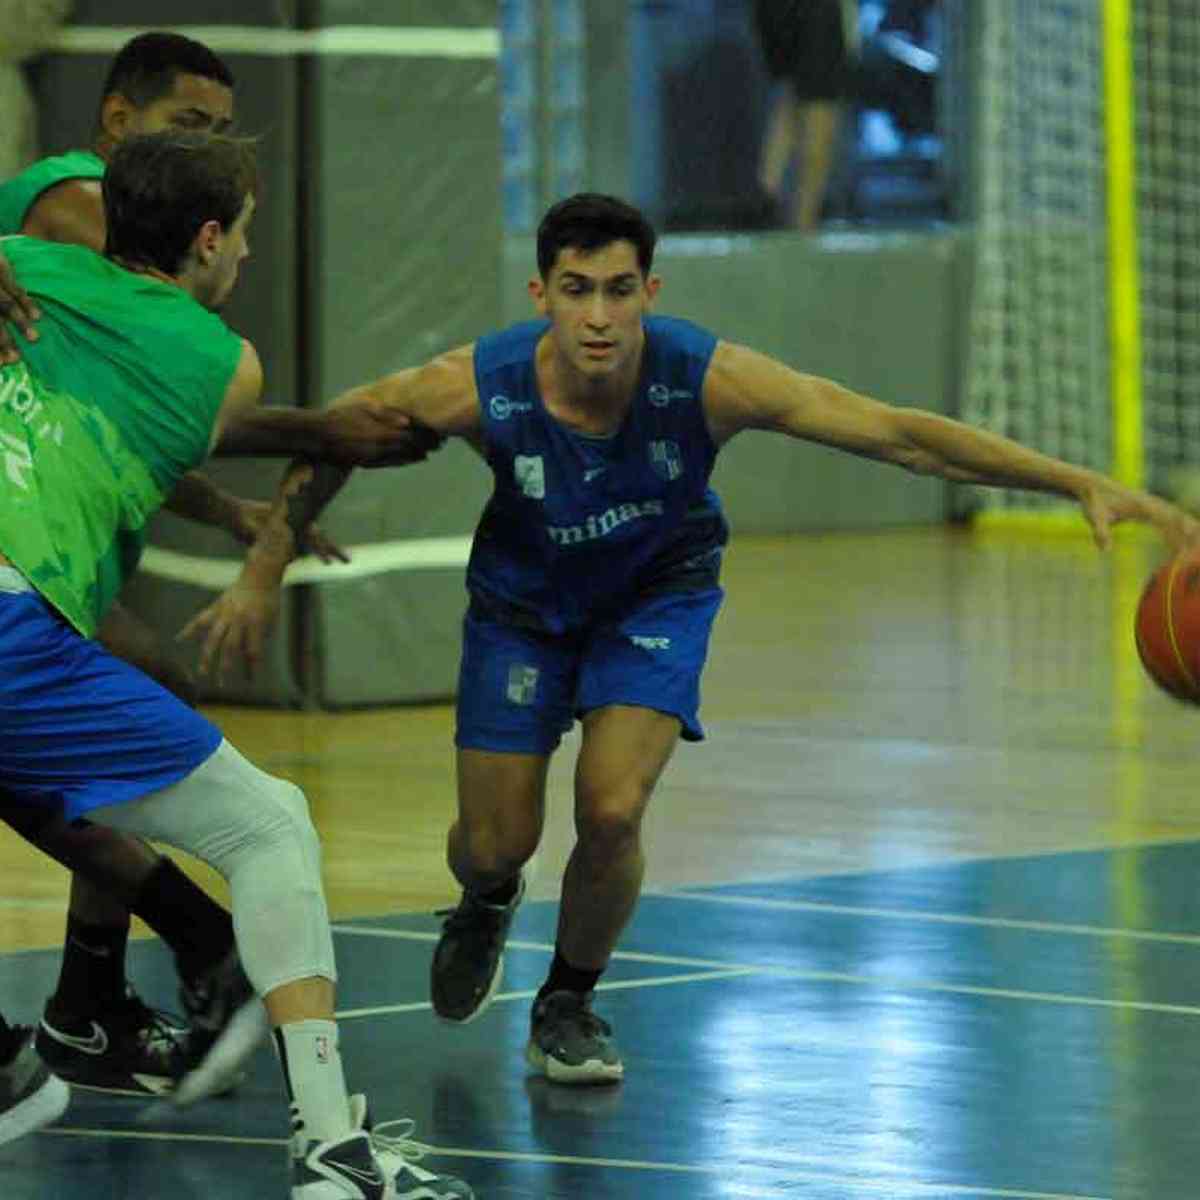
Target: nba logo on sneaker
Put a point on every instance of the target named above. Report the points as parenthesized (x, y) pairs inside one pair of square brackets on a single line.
[(522, 684), (530, 475), (322, 1049), (666, 459)]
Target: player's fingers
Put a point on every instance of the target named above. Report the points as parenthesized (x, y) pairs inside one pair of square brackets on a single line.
[(211, 651), (252, 649), (196, 625)]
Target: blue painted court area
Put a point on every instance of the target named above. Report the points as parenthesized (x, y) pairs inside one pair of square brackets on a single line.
[(1021, 1028)]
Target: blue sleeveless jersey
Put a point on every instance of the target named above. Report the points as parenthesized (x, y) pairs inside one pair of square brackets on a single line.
[(580, 526)]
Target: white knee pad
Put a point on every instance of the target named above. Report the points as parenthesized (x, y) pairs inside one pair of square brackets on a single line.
[(279, 912), (256, 831)]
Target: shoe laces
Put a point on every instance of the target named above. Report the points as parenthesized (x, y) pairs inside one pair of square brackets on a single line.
[(157, 1030), (398, 1140)]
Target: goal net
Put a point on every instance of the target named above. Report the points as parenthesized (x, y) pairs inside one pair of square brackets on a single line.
[(1040, 359)]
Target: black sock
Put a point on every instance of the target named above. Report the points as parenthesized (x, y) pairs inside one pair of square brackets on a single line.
[(191, 922), (11, 1040), (503, 894), (565, 978), (92, 978)]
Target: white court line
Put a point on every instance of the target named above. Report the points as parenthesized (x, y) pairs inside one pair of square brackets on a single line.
[(896, 983), (943, 918), (268, 42), (617, 985), (876, 1185)]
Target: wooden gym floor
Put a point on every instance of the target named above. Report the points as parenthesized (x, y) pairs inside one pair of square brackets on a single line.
[(922, 916)]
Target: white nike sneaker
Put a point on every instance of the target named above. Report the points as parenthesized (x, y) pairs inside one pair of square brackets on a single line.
[(341, 1170), (397, 1154)]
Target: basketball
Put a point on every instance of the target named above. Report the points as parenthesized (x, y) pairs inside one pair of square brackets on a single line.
[(1168, 626)]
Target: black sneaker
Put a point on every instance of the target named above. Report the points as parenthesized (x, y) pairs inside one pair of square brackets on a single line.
[(30, 1096), (568, 1043), (131, 1050), (226, 1024), (469, 960)]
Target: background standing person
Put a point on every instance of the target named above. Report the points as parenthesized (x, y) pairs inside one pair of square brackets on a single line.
[(805, 44)]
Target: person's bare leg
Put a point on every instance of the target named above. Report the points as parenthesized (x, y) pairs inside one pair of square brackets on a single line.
[(624, 752), (819, 122), (780, 142), (501, 809)]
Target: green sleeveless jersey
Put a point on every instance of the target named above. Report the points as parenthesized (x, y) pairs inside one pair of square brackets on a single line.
[(115, 401), (19, 194)]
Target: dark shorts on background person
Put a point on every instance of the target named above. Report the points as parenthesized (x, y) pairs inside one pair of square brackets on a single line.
[(80, 729), (804, 44), (520, 690)]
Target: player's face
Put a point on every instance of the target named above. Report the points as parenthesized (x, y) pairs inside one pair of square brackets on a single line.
[(194, 104), (229, 250), (596, 300)]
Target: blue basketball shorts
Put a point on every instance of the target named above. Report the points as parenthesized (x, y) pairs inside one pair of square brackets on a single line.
[(79, 728), (519, 690)]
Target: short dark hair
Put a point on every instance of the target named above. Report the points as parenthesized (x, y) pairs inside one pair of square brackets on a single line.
[(146, 66), (588, 221), (160, 188)]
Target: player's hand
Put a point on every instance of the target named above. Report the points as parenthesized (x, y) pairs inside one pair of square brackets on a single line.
[(234, 627), (249, 517), (363, 431), (1106, 504), (17, 307)]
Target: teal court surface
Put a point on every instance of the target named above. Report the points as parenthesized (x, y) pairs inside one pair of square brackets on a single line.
[(1022, 1028)]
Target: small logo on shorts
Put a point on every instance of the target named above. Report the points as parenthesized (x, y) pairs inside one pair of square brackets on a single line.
[(522, 684), (322, 1048), (650, 643)]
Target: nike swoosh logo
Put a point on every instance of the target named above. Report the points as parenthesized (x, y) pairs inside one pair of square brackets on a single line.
[(373, 1178), (588, 476), (96, 1044), (94, 951)]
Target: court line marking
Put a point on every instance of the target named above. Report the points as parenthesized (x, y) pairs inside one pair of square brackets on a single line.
[(878, 1184), (614, 985), (376, 41), (942, 918), (887, 982)]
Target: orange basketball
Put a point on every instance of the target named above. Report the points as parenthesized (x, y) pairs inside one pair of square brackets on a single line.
[(1168, 626)]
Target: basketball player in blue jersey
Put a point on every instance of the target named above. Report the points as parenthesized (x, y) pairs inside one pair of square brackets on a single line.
[(593, 580)]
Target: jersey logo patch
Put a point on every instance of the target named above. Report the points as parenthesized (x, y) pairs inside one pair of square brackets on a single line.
[(666, 459), (660, 395), (501, 407), (530, 474)]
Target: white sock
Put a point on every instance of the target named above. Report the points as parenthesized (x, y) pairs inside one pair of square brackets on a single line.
[(312, 1071)]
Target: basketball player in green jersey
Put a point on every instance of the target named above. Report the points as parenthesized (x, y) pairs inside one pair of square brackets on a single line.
[(127, 388), (158, 81)]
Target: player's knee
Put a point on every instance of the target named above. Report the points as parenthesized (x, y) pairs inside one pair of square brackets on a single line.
[(290, 819), (606, 830), (497, 850)]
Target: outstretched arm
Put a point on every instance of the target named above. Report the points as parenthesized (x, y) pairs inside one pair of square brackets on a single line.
[(439, 396), (748, 390)]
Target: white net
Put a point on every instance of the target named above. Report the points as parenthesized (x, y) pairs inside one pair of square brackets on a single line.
[(1037, 359), (1167, 81)]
